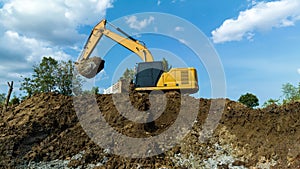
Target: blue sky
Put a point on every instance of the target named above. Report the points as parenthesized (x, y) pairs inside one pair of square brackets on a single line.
[(256, 41)]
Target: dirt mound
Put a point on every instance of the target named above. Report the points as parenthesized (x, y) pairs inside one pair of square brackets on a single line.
[(31, 122), (44, 132), (267, 134)]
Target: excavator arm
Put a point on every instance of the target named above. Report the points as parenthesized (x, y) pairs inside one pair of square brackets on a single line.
[(127, 41), (89, 67), (92, 41)]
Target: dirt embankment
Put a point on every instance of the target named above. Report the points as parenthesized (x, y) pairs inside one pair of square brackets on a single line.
[(45, 130)]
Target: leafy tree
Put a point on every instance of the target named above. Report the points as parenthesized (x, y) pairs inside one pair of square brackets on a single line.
[(45, 75), (2, 98), (28, 86), (128, 74), (166, 65), (77, 85), (65, 72), (270, 102), (14, 101), (248, 99), (290, 92), (49, 76), (94, 90)]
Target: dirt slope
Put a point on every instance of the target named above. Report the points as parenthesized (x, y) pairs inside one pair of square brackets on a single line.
[(46, 129)]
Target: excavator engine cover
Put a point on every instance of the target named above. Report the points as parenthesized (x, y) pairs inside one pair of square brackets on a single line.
[(89, 68)]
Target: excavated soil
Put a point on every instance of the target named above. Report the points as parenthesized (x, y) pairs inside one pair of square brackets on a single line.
[(44, 132)]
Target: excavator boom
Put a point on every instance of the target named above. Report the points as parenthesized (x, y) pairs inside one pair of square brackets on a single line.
[(89, 67), (92, 41)]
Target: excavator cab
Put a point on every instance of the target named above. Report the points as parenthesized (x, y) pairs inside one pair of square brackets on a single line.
[(151, 76), (148, 74)]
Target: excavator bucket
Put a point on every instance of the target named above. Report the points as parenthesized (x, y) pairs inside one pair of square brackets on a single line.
[(89, 68)]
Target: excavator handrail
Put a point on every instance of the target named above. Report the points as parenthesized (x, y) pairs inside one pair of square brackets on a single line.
[(128, 42)]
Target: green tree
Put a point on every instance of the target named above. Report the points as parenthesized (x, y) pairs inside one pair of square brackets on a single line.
[(65, 72), (270, 102), (166, 65), (290, 92), (27, 85), (2, 98), (14, 101), (49, 76), (77, 83), (45, 75), (128, 74), (248, 99), (94, 90)]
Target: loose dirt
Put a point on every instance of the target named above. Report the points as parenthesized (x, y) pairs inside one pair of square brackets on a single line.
[(44, 132)]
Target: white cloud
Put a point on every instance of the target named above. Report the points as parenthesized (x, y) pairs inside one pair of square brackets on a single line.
[(31, 29), (134, 23), (174, 1), (179, 28), (158, 2), (32, 49), (252, 2), (19, 53), (53, 20), (262, 16), (82, 12), (298, 70)]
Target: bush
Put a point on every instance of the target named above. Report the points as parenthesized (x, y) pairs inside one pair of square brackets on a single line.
[(248, 99), (14, 101)]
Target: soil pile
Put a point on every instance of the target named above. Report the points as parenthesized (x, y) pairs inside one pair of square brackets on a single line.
[(45, 131)]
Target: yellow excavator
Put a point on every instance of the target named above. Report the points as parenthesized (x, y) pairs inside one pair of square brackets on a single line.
[(150, 75)]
